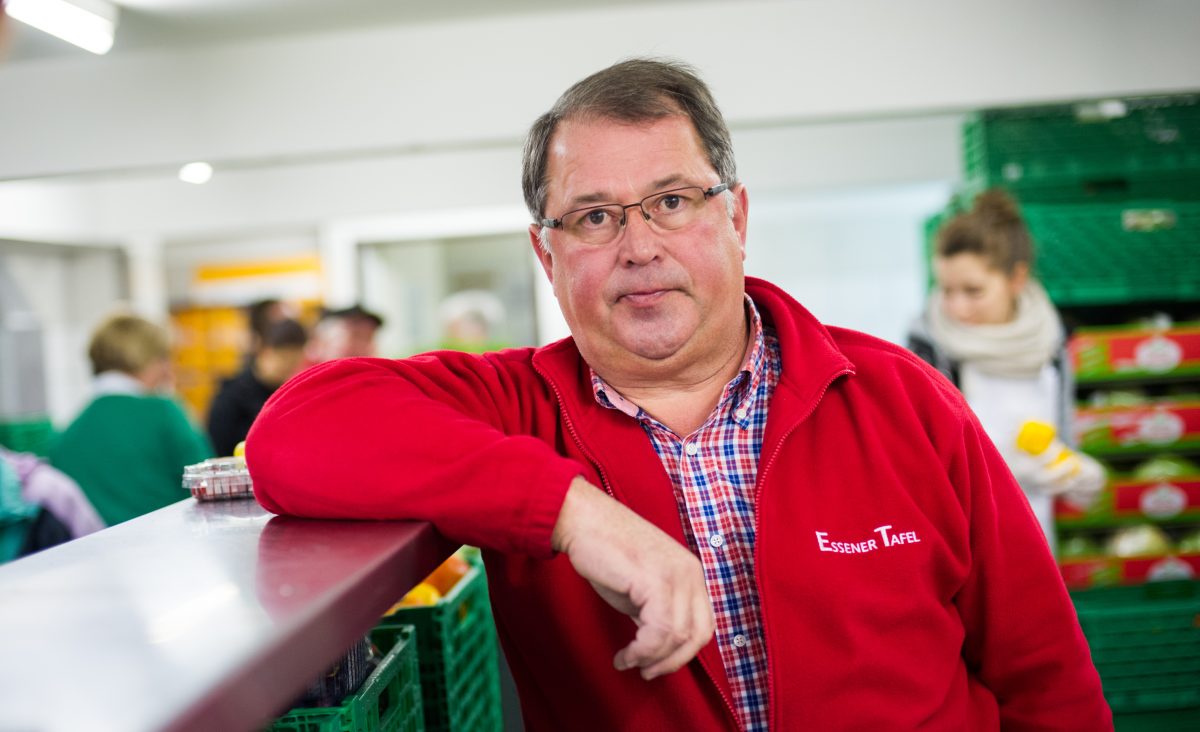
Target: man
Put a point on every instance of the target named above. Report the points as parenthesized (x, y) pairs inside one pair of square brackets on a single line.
[(260, 316), (806, 525), (278, 357), (345, 333)]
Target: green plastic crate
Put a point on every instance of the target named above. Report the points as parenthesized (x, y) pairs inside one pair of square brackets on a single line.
[(1104, 254), (456, 640), (388, 701), (31, 434), (1145, 642), (1113, 149)]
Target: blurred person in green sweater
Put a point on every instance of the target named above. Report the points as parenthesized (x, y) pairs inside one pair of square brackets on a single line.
[(128, 447)]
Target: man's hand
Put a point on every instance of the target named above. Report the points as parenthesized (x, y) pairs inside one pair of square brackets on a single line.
[(640, 571)]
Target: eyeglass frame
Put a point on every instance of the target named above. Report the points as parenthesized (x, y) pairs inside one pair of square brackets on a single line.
[(556, 223)]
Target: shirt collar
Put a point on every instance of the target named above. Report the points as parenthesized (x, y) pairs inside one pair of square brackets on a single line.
[(739, 395), (117, 382)]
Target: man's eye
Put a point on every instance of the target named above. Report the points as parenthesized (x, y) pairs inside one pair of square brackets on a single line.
[(671, 202), (595, 217)]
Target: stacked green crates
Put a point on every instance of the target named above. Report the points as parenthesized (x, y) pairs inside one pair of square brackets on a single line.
[(1099, 150), (1145, 642), (26, 434), (388, 701), (1114, 253), (456, 641)]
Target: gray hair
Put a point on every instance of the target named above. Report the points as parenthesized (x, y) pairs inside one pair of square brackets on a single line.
[(637, 90)]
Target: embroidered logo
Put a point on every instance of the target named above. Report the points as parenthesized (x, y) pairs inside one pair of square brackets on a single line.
[(886, 540)]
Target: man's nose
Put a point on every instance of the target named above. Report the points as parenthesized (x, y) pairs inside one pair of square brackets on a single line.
[(640, 241)]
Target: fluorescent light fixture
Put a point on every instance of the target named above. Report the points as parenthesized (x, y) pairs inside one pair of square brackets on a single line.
[(89, 24), (197, 173)]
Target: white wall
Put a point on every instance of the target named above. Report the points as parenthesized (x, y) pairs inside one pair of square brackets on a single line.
[(853, 257), (464, 83), (71, 290)]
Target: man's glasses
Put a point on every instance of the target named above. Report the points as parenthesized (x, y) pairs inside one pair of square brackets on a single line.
[(668, 210)]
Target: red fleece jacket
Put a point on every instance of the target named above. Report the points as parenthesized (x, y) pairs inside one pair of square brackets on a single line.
[(903, 580)]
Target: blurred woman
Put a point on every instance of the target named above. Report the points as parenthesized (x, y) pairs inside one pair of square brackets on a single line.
[(991, 329), (128, 447)]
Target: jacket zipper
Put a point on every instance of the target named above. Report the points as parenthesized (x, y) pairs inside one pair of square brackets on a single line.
[(562, 408), (762, 607)]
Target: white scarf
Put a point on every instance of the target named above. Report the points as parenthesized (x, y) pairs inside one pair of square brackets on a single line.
[(1018, 348)]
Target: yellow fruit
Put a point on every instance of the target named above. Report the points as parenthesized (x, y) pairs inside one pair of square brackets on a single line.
[(239, 450), (424, 594), (448, 573)]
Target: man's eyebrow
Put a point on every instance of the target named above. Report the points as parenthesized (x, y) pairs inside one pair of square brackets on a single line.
[(663, 184), (588, 199)]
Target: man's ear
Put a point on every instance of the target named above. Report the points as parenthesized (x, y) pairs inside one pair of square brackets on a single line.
[(543, 254), (741, 213)]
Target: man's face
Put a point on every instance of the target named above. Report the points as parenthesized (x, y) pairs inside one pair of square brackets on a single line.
[(276, 365), (360, 338), (651, 301), (342, 338)]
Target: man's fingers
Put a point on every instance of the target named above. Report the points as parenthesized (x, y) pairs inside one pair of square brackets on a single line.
[(651, 643), (673, 662), (702, 625), (659, 648)]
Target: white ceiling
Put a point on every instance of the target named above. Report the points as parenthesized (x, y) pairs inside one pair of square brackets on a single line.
[(150, 24)]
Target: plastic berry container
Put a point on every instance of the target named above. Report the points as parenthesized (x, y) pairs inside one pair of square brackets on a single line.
[(218, 479)]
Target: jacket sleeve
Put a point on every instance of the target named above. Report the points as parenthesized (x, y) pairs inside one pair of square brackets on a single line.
[(440, 437), (1023, 639)]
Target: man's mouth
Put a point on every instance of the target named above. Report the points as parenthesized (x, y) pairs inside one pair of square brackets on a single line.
[(643, 298)]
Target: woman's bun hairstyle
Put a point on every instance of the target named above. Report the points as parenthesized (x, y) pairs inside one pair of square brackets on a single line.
[(992, 229)]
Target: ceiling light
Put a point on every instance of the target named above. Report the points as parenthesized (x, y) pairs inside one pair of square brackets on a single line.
[(197, 173), (89, 24)]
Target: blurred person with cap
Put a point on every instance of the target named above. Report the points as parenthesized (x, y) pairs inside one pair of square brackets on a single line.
[(128, 447), (704, 510), (344, 333), (470, 320), (240, 398)]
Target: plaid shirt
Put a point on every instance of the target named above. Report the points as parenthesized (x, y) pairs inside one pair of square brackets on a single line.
[(714, 472)]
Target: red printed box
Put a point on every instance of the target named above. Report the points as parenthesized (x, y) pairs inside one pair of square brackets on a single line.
[(1081, 574), (1133, 501), (1116, 430), (1102, 354)]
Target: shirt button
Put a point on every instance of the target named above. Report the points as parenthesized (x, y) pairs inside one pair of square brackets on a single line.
[(716, 541), (740, 413), (692, 448), (740, 641)]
